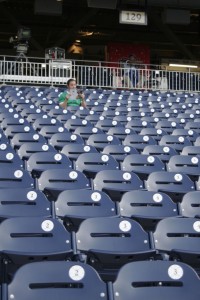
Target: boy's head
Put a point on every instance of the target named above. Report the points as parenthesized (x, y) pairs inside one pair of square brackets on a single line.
[(71, 84)]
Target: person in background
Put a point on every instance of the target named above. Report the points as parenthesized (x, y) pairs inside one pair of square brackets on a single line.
[(72, 96), (131, 73)]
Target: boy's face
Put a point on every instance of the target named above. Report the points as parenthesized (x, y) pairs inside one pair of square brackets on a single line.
[(72, 85)]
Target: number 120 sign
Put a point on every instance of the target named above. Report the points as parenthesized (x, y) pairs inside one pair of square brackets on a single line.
[(133, 17)]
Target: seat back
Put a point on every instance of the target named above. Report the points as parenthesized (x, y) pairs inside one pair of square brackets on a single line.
[(54, 181), (91, 163), (77, 205), (147, 207), (11, 130), (36, 237), (174, 141), (27, 149), (99, 141), (180, 238), (59, 140), (14, 178), (139, 141), (20, 202), (113, 241), (47, 131), (189, 165), (69, 280), (157, 279), (162, 152), (74, 150), (10, 159), (190, 205), (119, 152), (142, 164), (116, 182), (20, 138), (172, 183), (39, 162), (75, 122), (85, 132)]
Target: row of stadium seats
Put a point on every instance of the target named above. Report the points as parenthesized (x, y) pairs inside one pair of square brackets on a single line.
[(74, 205), (105, 243), (69, 280)]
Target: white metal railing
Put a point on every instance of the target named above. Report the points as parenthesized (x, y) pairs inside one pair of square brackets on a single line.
[(95, 74)]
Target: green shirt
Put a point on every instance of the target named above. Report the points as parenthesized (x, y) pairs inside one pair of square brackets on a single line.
[(75, 102)]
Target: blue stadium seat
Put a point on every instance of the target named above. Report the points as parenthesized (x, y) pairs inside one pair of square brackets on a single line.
[(108, 113), (42, 161), (147, 207), (75, 122), (30, 111), (121, 119), (156, 280), (45, 121), (168, 126), (25, 239), (164, 153), (191, 125), (33, 117), (120, 132), (191, 150), (77, 205), (174, 141), (49, 105), (72, 151), (106, 124), (154, 133), (20, 202), (11, 177), (100, 140), (60, 139), (190, 134), (66, 115), (93, 117), (85, 132), (47, 131), (69, 280), (91, 163), (8, 113), (82, 113), (189, 165), (27, 149), (53, 182), (190, 205), (142, 164), (197, 142), (10, 159), (55, 112), (119, 152), (135, 114), (138, 125), (179, 238), (13, 121), (26, 137), (172, 183), (110, 243), (11, 130), (139, 142), (116, 182)]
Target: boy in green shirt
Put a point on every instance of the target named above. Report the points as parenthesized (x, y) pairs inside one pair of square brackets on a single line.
[(66, 98)]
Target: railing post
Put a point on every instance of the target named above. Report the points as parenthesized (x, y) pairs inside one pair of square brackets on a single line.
[(3, 69), (100, 67), (189, 88)]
